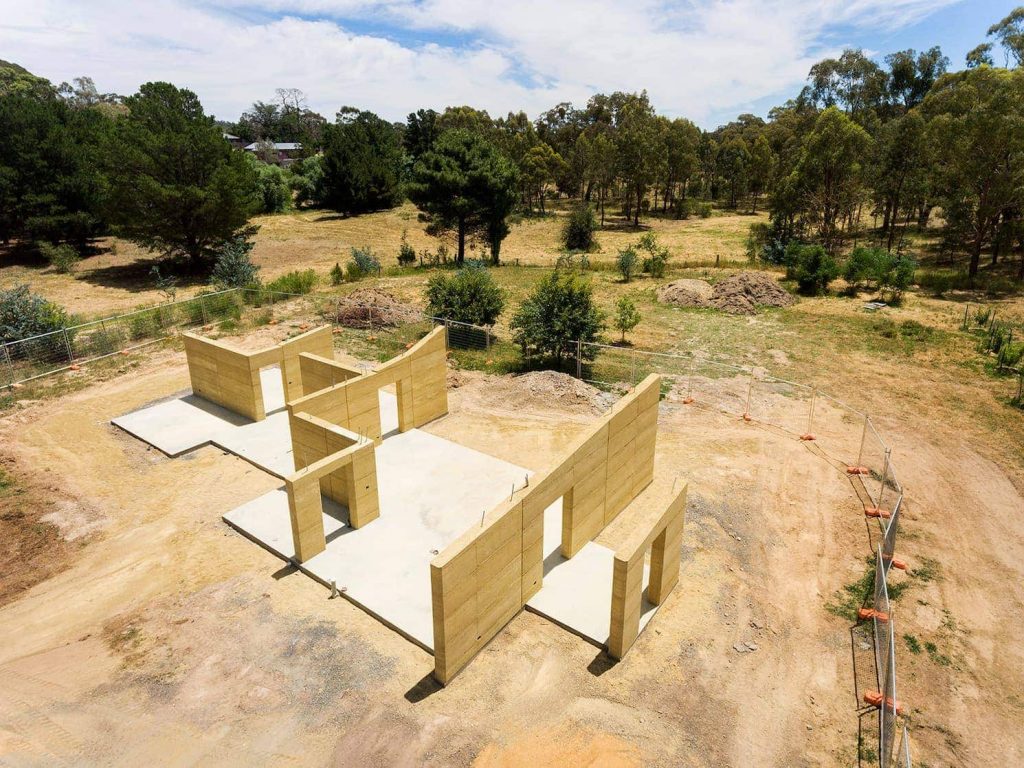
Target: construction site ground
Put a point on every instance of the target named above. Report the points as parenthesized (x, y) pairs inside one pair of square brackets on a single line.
[(152, 633)]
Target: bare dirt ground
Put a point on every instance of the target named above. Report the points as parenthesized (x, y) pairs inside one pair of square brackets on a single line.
[(169, 639)]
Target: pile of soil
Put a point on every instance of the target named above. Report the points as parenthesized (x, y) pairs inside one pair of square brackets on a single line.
[(686, 293), (372, 307), (548, 388), (738, 294)]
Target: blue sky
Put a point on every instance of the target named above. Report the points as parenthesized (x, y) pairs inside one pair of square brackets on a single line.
[(708, 60)]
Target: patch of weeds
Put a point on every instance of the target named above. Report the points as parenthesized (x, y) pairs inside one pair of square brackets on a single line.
[(933, 653), (929, 570), (913, 644), (262, 318), (851, 597), (229, 326), (6, 482)]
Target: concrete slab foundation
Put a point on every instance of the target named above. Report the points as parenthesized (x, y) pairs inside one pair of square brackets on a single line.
[(189, 422), (384, 567), (577, 593)]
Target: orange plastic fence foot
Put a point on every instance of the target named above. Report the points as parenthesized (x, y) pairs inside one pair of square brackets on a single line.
[(875, 699), (898, 564), (687, 400), (865, 614), (75, 367), (876, 512), (124, 352), (807, 437), (857, 471), (746, 417)]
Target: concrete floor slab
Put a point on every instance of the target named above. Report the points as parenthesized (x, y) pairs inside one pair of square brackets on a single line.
[(577, 593), (179, 425), (273, 388), (385, 566)]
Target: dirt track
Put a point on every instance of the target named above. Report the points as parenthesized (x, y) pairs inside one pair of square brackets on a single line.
[(172, 640)]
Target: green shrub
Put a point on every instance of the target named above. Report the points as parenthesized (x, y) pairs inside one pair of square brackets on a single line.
[(811, 266), (863, 265), (144, 325), (470, 295), (362, 263), (273, 185), (627, 262), (24, 314), (579, 227), (558, 312), (656, 260), (757, 237), (233, 267), (627, 316), (337, 274), (297, 282), (61, 257), (406, 253)]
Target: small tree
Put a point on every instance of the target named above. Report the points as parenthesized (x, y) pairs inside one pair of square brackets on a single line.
[(363, 262), (896, 275), (468, 296), (406, 253), (558, 313), (578, 231), (862, 266), (337, 274), (656, 259), (626, 262), (233, 267), (627, 316), (811, 266)]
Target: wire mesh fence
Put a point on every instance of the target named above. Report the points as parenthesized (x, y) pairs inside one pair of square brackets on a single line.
[(27, 359)]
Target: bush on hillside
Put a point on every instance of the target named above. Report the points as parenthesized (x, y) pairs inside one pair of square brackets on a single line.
[(811, 266), (296, 282), (470, 295), (626, 262), (559, 312), (362, 264), (24, 314), (62, 257), (233, 267), (579, 227)]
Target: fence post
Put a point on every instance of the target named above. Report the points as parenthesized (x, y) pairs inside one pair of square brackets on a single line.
[(67, 343), (750, 389), (885, 472), (810, 413), (966, 309), (632, 368), (579, 359), (202, 308), (487, 339), (10, 362), (863, 437)]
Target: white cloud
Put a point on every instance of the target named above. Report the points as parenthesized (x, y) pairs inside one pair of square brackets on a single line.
[(695, 57)]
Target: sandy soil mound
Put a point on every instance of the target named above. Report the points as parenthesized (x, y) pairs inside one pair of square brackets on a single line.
[(372, 306), (760, 289), (738, 294), (538, 390), (686, 293)]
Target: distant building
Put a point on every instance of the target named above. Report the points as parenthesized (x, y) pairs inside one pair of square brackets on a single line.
[(234, 141), (283, 153)]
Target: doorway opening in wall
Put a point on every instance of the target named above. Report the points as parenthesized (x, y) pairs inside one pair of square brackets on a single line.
[(551, 545), (388, 399), (272, 385)]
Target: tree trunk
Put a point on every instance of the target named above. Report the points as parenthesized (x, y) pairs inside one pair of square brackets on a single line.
[(636, 213), (972, 270)]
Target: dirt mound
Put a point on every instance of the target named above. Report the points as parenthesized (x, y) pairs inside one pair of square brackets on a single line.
[(372, 307), (547, 388), (738, 294), (686, 293)]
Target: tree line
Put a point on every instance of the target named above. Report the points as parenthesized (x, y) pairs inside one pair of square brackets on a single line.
[(864, 148)]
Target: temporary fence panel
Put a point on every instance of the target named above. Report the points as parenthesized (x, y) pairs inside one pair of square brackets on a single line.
[(887, 710), (49, 353), (903, 753), (783, 404), (881, 620), (891, 527)]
